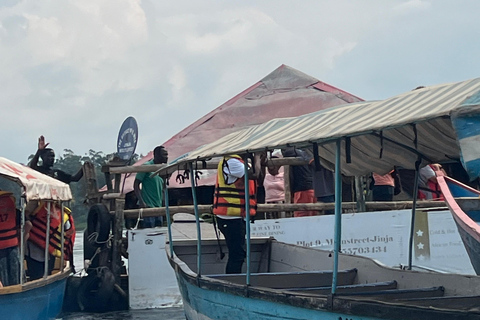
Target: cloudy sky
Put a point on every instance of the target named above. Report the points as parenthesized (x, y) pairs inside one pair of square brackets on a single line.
[(74, 70)]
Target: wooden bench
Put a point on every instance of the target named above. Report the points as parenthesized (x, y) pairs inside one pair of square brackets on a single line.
[(455, 302), (286, 280), (400, 294), (352, 288)]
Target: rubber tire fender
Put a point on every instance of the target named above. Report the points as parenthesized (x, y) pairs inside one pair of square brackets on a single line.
[(99, 221)]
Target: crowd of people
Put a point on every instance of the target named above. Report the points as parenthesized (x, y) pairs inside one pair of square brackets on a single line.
[(309, 183)]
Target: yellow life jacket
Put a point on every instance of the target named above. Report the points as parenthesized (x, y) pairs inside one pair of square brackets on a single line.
[(229, 199)]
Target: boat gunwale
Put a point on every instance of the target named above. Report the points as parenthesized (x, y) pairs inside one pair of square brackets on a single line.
[(18, 288), (462, 219)]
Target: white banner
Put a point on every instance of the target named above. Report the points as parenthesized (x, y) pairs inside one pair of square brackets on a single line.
[(382, 235)]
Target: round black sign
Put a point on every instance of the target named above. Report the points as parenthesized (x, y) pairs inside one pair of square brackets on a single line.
[(127, 139)]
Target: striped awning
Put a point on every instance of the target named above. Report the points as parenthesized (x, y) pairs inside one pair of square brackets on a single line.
[(375, 135)]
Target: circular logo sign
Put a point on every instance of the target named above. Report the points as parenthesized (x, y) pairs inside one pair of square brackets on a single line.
[(127, 139)]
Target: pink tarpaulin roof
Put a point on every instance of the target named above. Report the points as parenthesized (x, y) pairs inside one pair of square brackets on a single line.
[(286, 92)]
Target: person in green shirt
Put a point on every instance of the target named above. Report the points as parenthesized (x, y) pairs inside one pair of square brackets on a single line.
[(149, 190)]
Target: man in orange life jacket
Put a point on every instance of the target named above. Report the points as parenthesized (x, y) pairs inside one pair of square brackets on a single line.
[(9, 240), (35, 253), (229, 206)]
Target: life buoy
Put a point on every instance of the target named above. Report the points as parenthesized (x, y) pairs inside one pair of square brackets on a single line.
[(98, 225)]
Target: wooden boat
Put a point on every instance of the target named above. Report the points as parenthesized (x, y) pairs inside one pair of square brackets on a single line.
[(464, 204), (284, 281), (292, 282), (42, 298)]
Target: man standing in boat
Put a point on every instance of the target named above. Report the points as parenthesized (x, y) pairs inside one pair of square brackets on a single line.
[(229, 206), (150, 194), (35, 253), (48, 159)]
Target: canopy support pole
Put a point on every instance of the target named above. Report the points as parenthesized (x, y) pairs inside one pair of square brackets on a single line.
[(338, 214), (62, 237), (197, 220), (414, 207), (247, 214), (47, 240), (22, 241), (169, 219)]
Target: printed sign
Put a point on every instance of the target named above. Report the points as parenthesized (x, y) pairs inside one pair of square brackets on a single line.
[(383, 236), (127, 139)]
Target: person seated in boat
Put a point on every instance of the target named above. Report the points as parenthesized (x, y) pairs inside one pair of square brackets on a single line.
[(37, 214), (428, 188), (149, 190), (384, 187), (229, 206), (323, 185), (301, 181), (274, 186), (9, 240)]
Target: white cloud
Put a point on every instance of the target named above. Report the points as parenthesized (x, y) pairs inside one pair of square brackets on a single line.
[(74, 70)]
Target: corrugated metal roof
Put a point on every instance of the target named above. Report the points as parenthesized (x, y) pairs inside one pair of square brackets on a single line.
[(383, 133)]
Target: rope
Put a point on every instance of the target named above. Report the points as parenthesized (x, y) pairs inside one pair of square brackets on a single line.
[(140, 217)]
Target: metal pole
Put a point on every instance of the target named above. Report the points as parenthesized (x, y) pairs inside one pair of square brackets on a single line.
[(414, 207), (247, 214), (62, 237), (169, 220), (47, 240), (338, 215), (197, 220), (22, 240)]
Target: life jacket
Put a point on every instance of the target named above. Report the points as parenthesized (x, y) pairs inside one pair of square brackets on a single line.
[(39, 224), (229, 199), (68, 235), (432, 187), (437, 192), (9, 229)]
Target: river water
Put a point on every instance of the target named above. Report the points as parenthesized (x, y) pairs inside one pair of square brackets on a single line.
[(170, 313)]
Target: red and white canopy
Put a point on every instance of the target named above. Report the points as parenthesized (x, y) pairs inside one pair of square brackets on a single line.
[(37, 186)]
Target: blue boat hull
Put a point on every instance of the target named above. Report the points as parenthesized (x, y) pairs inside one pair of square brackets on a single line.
[(38, 300), (206, 304)]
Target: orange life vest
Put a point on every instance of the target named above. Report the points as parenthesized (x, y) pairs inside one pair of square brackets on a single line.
[(9, 229), (229, 199), (39, 225)]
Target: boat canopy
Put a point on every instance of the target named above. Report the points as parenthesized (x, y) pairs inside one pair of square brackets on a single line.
[(37, 186), (375, 135)]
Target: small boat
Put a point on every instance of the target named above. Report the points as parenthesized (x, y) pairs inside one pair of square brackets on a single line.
[(41, 298), (464, 204), (293, 282)]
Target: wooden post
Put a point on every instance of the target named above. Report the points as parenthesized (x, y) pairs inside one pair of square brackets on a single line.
[(360, 195), (90, 180), (117, 239)]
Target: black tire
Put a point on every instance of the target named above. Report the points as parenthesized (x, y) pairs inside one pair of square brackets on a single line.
[(98, 225)]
